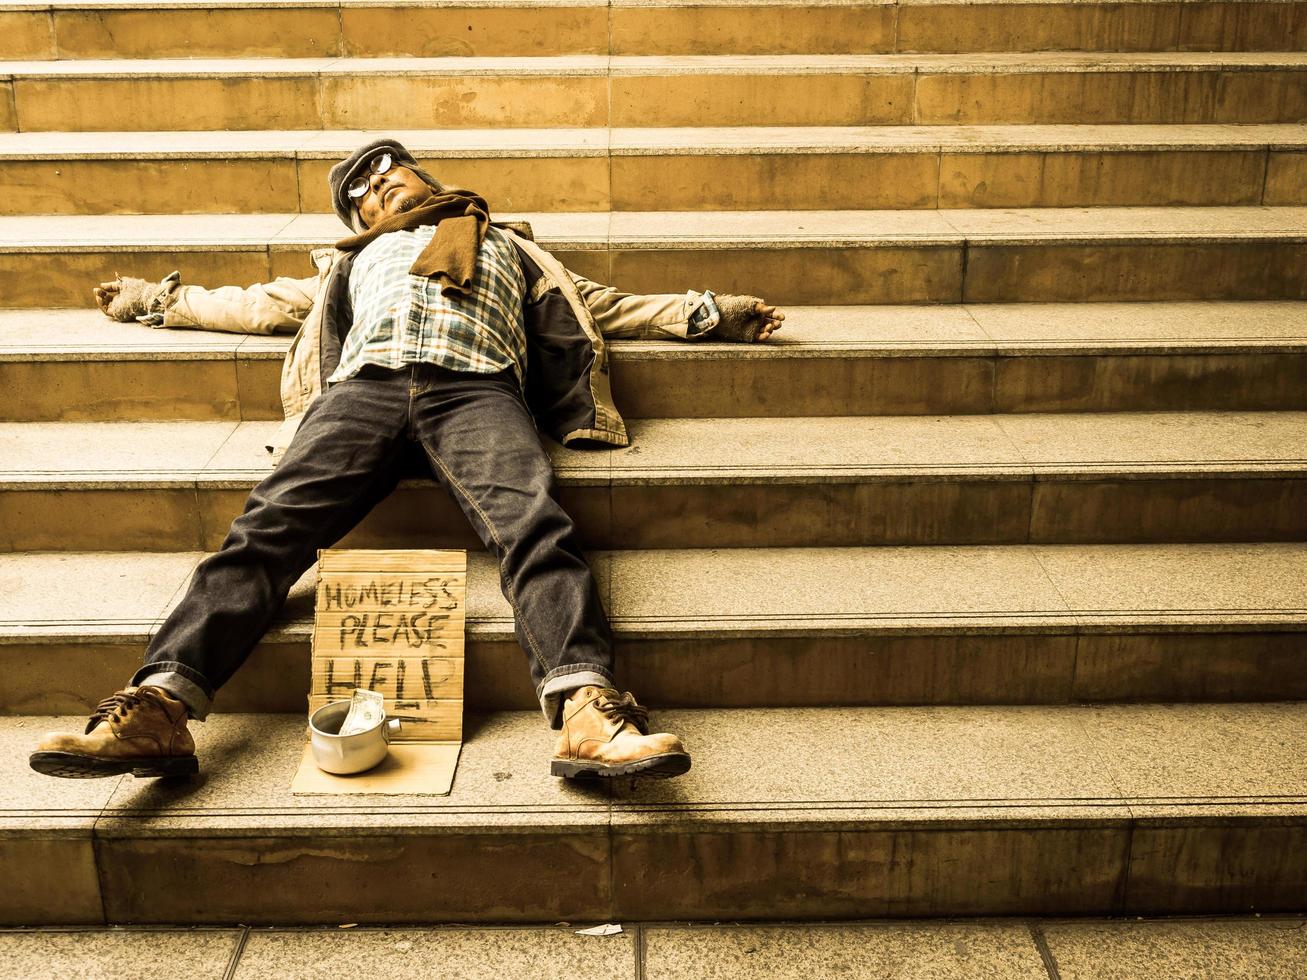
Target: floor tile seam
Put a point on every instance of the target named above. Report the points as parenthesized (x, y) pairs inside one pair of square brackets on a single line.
[(1127, 862), (610, 844), (968, 310), (1266, 176), (53, 32), (608, 144), (256, 347), (207, 466), (1179, 27), (1007, 438), (238, 949), (937, 152), (97, 842), (896, 42), (1079, 633), (342, 47), (183, 581), (320, 101), (1105, 766), (11, 100), (277, 243), (608, 112), (296, 168), (1046, 956)]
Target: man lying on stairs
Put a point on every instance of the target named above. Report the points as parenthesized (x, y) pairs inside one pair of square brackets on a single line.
[(430, 325)]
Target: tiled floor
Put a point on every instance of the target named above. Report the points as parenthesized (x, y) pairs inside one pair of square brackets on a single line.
[(1254, 948)]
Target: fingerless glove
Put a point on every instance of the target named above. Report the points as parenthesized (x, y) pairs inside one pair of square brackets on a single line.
[(138, 299), (740, 319)]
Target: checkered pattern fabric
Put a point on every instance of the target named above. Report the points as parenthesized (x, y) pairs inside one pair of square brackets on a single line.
[(403, 319)]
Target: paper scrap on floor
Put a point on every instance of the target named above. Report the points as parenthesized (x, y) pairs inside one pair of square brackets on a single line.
[(607, 929)]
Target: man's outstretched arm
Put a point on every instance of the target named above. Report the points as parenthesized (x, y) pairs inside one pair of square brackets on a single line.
[(685, 316), (265, 308)]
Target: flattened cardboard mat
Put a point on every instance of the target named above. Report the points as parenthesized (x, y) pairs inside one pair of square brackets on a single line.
[(392, 621)]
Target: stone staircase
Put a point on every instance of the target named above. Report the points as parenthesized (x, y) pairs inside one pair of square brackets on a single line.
[(982, 590)]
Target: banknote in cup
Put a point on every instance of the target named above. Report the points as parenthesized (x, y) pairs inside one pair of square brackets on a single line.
[(366, 710)]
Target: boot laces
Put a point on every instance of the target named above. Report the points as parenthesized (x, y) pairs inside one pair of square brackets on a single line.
[(624, 707), (116, 707)]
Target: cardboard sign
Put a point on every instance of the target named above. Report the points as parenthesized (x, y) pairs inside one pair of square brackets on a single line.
[(410, 769), (393, 622)]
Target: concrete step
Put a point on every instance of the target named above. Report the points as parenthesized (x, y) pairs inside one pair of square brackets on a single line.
[(788, 813), (797, 257), (64, 365), (745, 168), (153, 29), (598, 91), (1206, 946), (1013, 624), (1004, 479)]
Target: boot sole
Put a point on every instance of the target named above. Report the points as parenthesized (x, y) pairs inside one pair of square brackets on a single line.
[(654, 767), (68, 765)]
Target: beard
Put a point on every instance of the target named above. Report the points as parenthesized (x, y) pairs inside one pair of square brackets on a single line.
[(407, 202)]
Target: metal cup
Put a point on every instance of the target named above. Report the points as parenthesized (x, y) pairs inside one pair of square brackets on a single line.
[(347, 754)]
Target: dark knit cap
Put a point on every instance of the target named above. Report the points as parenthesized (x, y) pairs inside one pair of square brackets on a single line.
[(357, 163)]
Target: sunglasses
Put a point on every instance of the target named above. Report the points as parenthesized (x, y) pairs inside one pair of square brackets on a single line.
[(358, 187)]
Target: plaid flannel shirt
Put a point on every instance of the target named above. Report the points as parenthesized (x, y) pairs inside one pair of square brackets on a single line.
[(402, 319)]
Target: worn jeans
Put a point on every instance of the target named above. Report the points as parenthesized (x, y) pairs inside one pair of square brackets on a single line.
[(482, 444)]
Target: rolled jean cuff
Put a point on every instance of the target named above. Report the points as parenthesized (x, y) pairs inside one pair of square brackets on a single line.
[(184, 683), (562, 681)]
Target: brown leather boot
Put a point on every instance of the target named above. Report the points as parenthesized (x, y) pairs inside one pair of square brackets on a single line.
[(141, 730), (607, 734)]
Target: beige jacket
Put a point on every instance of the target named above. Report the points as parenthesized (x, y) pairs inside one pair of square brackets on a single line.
[(296, 305)]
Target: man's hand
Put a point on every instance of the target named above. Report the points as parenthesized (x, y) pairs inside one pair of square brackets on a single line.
[(105, 295), (746, 318), (771, 318), (124, 298)]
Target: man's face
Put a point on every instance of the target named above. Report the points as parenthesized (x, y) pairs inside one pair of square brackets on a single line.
[(397, 190)]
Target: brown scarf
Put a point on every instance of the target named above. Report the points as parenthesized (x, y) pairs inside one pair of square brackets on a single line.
[(461, 219)]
